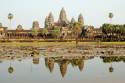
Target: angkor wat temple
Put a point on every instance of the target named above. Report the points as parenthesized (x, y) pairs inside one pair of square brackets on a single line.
[(36, 31)]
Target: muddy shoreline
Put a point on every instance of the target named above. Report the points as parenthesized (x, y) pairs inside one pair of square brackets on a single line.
[(15, 52)]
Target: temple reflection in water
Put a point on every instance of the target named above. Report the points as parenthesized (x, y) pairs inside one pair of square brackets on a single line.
[(73, 61), (79, 62), (63, 63)]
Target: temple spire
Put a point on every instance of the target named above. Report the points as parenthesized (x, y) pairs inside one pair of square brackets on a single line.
[(35, 25), (72, 21), (63, 68), (49, 20), (51, 17), (63, 17), (80, 19)]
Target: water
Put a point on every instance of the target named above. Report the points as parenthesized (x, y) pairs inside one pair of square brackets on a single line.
[(85, 69)]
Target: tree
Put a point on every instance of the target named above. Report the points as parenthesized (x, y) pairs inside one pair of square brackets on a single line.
[(44, 32), (114, 31), (83, 32), (76, 31), (56, 32), (10, 17), (10, 70), (111, 69), (111, 16)]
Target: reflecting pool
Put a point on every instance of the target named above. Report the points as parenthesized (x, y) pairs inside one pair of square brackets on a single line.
[(63, 69)]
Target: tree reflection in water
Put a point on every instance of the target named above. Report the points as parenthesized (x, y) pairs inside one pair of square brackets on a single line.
[(111, 59), (10, 69), (111, 69)]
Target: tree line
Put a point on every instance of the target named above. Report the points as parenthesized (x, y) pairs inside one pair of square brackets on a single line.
[(112, 32)]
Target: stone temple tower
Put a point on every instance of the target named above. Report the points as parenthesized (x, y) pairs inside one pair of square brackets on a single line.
[(72, 21), (80, 19), (49, 20), (35, 25), (63, 18)]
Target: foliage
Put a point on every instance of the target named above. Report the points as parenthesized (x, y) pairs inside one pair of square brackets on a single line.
[(10, 16), (111, 69), (44, 31), (76, 30), (56, 32), (113, 31), (83, 32), (112, 59), (111, 15), (10, 69)]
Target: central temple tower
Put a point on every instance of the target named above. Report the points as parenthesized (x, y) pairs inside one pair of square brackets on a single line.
[(63, 18)]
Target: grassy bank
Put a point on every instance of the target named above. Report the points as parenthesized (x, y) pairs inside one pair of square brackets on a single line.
[(43, 44), (113, 43)]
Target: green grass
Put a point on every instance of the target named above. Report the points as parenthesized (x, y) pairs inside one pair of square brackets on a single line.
[(113, 43), (67, 44)]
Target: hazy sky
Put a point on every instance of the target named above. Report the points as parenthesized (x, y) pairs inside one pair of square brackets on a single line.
[(95, 12)]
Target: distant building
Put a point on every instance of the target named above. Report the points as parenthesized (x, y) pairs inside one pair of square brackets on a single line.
[(19, 28), (2, 32), (35, 25), (64, 25), (80, 19), (92, 32), (63, 21), (49, 21)]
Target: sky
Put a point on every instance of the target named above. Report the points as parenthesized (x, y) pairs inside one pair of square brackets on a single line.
[(95, 12)]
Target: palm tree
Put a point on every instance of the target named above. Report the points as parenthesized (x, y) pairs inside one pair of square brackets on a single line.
[(10, 69), (111, 69), (56, 32), (10, 17), (76, 31), (111, 16)]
